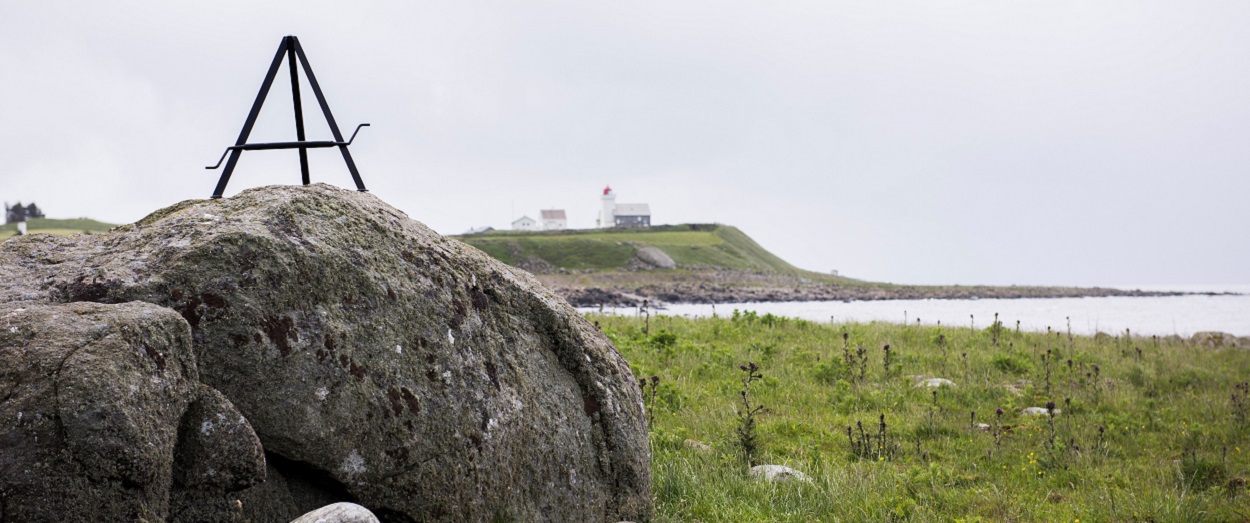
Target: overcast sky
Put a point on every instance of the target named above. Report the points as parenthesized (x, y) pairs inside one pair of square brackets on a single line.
[(919, 142)]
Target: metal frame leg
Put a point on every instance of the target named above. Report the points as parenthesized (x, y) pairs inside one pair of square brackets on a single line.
[(251, 117), (325, 109)]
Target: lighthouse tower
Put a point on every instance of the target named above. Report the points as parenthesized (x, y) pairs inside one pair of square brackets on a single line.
[(607, 218)]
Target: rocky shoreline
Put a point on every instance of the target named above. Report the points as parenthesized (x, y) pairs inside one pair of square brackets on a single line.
[(622, 296)]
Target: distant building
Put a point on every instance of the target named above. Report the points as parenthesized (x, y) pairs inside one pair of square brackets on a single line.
[(525, 223), (554, 220), (623, 214), (477, 230)]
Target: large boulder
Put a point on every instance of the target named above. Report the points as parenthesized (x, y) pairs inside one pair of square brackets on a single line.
[(378, 362), (102, 418)]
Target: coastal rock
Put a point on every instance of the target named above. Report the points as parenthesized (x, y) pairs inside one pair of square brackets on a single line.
[(654, 257), (778, 474), (397, 369), (100, 402), (1214, 339)]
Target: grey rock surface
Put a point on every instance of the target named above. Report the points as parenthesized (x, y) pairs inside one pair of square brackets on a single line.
[(93, 399), (397, 369)]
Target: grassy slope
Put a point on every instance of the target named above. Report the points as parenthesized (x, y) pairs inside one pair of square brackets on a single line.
[(1151, 408), (691, 246), (61, 227)]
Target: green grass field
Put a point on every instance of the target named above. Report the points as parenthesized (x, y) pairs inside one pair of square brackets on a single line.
[(1155, 435), (60, 227)]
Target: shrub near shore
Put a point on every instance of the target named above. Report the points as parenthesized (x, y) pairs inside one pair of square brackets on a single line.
[(1139, 429)]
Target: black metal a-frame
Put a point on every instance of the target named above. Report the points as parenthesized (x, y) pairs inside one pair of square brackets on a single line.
[(291, 48)]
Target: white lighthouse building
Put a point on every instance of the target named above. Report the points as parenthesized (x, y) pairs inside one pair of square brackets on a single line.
[(623, 214), (609, 208)]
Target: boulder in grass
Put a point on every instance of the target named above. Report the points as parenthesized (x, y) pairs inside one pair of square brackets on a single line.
[(934, 383), (1036, 411), (778, 474), (697, 446)]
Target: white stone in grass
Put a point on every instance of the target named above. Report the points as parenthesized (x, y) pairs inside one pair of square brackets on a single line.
[(778, 474), (983, 427), (697, 446), (936, 382), (1036, 411)]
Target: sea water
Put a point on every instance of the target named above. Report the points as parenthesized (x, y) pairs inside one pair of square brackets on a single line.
[(1161, 315)]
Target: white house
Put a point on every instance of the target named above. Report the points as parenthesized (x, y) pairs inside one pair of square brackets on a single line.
[(554, 220), (623, 214), (524, 223)]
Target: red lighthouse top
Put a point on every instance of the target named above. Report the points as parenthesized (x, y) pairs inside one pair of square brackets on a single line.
[(607, 189)]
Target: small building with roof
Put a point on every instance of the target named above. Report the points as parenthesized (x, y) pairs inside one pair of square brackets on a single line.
[(525, 223), (554, 220)]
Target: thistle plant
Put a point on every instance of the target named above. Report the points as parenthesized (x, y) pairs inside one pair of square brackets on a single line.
[(866, 445), (1046, 368), (846, 349), (862, 355), (649, 388), (995, 328), (886, 360), (1050, 418), (748, 441), (998, 429), (646, 313), (1239, 406)]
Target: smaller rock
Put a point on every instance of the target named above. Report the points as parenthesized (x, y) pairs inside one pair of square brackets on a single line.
[(338, 513), (936, 382), (1214, 339), (1018, 387), (697, 446), (1036, 411), (983, 427), (655, 257), (778, 474)]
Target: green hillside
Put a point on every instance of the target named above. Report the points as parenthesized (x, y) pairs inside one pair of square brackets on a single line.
[(691, 246), (57, 226)]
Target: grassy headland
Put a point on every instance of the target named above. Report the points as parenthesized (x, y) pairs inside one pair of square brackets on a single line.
[(1144, 429), (701, 263), (60, 227)]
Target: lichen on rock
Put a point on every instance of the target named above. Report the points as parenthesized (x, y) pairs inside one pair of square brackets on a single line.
[(407, 372)]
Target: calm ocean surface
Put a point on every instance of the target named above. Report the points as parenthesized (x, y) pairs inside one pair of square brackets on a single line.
[(1183, 315)]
